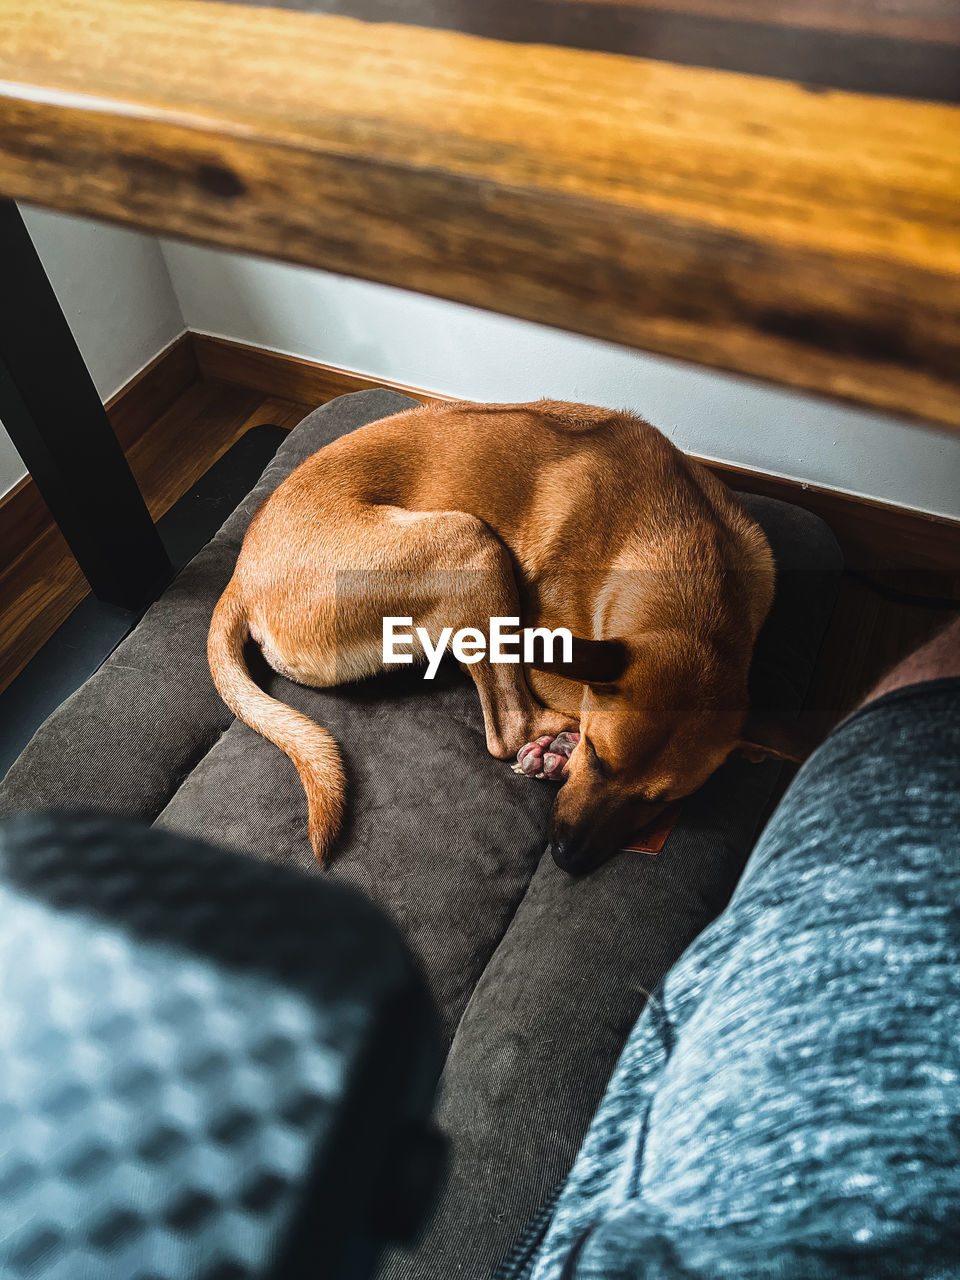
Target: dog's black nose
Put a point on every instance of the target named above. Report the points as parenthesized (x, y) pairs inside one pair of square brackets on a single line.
[(565, 854), (579, 852)]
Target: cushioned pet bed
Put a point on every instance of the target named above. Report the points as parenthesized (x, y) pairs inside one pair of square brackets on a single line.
[(539, 977)]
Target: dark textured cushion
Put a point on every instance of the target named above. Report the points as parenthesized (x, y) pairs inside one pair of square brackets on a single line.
[(539, 977)]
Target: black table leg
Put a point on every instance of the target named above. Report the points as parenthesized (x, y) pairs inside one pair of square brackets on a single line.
[(53, 414)]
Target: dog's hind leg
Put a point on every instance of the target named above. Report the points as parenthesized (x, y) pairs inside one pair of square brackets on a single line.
[(323, 621)]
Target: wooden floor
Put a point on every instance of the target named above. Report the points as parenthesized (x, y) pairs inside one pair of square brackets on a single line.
[(42, 584), (38, 590)]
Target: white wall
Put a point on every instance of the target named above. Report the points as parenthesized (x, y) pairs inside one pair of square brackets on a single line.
[(116, 294), (445, 347), (127, 296)]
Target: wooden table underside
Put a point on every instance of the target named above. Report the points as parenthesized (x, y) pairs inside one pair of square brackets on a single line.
[(736, 218)]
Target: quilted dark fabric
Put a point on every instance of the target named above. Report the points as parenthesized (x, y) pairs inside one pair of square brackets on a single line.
[(539, 977)]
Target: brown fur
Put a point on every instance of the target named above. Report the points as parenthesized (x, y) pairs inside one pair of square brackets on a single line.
[(562, 514)]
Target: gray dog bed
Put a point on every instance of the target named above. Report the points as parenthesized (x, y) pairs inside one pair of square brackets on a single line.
[(538, 976)]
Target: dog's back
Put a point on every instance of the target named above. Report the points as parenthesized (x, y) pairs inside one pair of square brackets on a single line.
[(574, 491), (551, 479)]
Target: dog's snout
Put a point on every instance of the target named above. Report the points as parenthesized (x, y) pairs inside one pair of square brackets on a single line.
[(562, 854), (572, 853)]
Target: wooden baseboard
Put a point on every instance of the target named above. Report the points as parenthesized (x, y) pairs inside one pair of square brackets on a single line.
[(23, 514), (875, 536), (40, 581), (172, 424), (290, 376), (152, 391)]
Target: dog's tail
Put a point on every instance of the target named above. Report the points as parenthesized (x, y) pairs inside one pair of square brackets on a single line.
[(311, 748)]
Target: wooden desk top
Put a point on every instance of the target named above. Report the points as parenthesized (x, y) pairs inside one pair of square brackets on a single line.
[(757, 186)]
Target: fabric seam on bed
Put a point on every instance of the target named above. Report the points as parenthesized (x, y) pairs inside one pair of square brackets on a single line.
[(184, 776)]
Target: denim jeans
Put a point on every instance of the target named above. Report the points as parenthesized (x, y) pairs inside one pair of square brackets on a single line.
[(789, 1104)]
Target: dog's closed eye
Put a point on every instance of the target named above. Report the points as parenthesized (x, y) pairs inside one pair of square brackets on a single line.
[(594, 761)]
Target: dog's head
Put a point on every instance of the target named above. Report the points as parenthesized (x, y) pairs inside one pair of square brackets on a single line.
[(656, 720)]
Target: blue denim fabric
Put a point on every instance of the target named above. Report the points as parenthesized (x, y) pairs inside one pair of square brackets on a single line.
[(789, 1104)]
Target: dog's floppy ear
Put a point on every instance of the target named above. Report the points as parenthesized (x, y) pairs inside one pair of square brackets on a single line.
[(764, 738), (591, 662)]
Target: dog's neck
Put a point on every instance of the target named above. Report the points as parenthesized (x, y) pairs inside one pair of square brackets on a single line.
[(685, 583)]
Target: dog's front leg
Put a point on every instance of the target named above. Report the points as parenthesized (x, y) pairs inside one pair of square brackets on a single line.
[(511, 714), (472, 583)]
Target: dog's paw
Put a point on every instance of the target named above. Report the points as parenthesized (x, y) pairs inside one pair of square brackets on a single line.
[(546, 757)]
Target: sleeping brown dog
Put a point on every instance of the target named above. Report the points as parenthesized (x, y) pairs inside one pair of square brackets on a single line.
[(562, 515)]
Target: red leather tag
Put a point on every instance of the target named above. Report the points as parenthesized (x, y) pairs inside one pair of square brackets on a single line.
[(653, 837)]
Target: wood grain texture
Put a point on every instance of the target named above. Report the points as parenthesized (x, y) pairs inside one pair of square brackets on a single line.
[(914, 552), (138, 404), (23, 518), (909, 550), (917, 20), (40, 581), (866, 47), (867, 636), (23, 513), (743, 223), (38, 590), (899, 19)]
